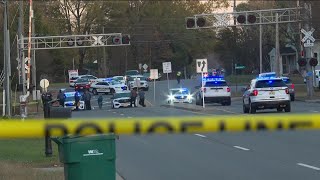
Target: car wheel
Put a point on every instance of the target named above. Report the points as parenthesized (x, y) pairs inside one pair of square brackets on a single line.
[(228, 103), (146, 89), (95, 92), (287, 108), (252, 109), (292, 97)]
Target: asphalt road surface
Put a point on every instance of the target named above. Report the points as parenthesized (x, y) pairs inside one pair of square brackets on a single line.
[(249, 156)]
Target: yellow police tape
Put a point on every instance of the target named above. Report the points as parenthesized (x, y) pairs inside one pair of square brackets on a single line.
[(157, 125)]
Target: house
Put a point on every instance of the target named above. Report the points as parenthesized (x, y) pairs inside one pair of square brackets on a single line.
[(288, 59)]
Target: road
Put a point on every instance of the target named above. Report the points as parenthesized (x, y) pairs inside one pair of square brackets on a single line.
[(250, 156)]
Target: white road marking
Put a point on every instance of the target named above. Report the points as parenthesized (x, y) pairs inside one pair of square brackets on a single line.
[(308, 166), (242, 148), (200, 135), (314, 111), (122, 114)]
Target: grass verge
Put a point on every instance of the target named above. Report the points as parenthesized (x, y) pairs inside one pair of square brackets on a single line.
[(19, 157)]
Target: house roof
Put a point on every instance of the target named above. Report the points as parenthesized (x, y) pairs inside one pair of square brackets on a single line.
[(287, 50)]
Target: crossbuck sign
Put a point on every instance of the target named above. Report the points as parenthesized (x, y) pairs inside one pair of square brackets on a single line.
[(308, 39)]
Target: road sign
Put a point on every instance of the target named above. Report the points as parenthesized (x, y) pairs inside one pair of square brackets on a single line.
[(44, 83), (97, 40), (166, 67), (154, 74), (73, 73), (202, 65), (145, 66), (240, 67), (308, 39)]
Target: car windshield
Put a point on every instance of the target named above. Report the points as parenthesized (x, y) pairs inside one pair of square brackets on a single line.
[(82, 80), (69, 96), (119, 78), (132, 73), (74, 78), (115, 82), (179, 91), (287, 80), (270, 83), (215, 83), (122, 95)]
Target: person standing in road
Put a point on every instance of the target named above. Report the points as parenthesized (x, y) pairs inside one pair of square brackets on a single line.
[(178, 76), (87, 100), (77, 97), (142, 98), (133, 97), (100, 99), (61, 97)]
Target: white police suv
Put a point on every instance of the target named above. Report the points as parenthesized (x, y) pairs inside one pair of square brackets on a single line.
[(121, 99), (266, 92), (70, 100), (179, 95), (215, 90)]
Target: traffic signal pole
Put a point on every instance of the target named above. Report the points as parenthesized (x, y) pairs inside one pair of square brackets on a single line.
[(307, 50), (277, 58)]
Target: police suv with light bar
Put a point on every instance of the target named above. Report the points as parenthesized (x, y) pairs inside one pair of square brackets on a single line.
[(215, 90), (179, 95), (70, 100), (266, 92)]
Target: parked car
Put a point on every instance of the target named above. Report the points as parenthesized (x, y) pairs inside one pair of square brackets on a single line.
[(290, 86), (82, 84), (72, 80)]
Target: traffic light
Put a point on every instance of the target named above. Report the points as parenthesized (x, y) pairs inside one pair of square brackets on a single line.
[(71, 42), (313, 62), (192, 21), (125, 39), (116, 40), (242, 18), (302, 62)]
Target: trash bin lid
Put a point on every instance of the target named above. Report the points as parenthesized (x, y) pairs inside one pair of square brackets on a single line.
[(79, 138)]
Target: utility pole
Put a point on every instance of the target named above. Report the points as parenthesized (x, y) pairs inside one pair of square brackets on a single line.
[(33, 59), (307, 51), (21, 52), (7, 60), (277, 54), (260, 47), (104, 58)]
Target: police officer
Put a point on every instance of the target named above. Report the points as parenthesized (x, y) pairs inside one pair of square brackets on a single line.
[(77, 97), (61, 97), (178, 76), (46, 98)]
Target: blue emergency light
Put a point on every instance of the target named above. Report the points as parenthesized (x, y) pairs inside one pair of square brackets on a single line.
[(267, 75), (70, 94), (213, 78)]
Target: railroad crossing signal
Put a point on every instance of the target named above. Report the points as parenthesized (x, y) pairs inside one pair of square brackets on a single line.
[(308, 40), (97, 40)]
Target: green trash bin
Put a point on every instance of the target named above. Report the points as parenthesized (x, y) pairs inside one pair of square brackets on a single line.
[(88, 157)]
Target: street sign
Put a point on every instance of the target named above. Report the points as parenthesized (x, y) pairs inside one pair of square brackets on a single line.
[(240, 67), (154, 74), (44, 83), (72, 73), (166, 67), (308, 40), (145, 66), (202, 65)]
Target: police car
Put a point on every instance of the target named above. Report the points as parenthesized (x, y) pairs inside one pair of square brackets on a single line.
[(215, 90), (141, 80), (179, 95), (70, 101), (121, 99), (266, 92)]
